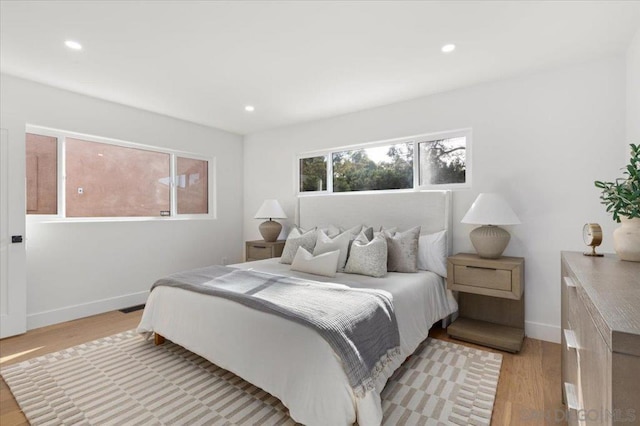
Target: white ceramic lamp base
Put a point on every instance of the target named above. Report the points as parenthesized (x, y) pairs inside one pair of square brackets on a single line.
[(489, 241), (270, 230)]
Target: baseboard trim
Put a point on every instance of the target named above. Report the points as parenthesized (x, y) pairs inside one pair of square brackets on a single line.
[(69, 313), (547, 332)]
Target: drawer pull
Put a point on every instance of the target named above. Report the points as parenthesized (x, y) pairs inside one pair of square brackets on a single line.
[(572, 398), (568, 281), (482, 267), (570, 338)]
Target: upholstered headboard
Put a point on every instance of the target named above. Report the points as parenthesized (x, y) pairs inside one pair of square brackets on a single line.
[(429, 209)]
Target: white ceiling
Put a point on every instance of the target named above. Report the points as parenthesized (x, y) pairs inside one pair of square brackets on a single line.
[(296, 61)]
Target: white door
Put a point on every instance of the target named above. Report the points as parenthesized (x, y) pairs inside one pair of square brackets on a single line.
[(13, 291)]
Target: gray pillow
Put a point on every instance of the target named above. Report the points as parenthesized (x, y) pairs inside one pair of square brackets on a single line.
[(368, 257), (298, 238), (402, 250)]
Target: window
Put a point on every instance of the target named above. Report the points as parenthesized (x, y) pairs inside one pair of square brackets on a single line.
[(443, 161), (313, 174), (114, 181), (42, 174), (192, 186), (372, 169), (101, 178)]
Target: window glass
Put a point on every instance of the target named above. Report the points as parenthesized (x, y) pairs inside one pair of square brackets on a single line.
[(313, 174), (443, 161), (191, 185), (105, 180), (42, 174), (377, 168)]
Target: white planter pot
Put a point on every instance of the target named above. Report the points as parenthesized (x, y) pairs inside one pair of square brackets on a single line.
[(626, 239)]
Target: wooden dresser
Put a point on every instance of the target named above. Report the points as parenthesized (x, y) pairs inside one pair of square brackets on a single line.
[(601, 339)]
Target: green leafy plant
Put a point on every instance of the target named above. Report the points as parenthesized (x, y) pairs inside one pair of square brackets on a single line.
[(622, 197)]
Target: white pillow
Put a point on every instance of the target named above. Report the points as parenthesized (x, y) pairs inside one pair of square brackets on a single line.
[(368, 257), (432, 253), (354, 231), (297, 238), (326, 244), (331, 230), (324, 264)]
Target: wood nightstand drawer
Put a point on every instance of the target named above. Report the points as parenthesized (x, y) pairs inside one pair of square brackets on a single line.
[(475, 276), (259, 249), (502, 277), (258, 252)]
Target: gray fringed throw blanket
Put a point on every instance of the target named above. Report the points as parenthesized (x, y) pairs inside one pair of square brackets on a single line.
[(359, 324)]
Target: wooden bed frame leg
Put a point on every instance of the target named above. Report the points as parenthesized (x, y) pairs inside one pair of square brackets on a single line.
[(158, 339)]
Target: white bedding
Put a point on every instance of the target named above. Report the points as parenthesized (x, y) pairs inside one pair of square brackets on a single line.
[(294, 363)]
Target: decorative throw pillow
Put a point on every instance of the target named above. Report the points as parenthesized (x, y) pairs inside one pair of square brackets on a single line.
[(323, 264), (402, 249), (354, 232), (432, 253), (331, 230), (383, 230), (368, 257), (298, 238), (325, 244), (368, 232)]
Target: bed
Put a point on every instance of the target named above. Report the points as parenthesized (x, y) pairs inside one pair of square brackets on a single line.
[(289, 360)]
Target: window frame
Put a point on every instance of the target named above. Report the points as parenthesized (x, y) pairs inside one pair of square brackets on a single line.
[(415, 140), (61, 136)]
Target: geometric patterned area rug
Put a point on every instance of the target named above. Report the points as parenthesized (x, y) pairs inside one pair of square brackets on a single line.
[(126, 380)]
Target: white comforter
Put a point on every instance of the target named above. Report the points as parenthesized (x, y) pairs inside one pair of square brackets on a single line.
[(289, 360)]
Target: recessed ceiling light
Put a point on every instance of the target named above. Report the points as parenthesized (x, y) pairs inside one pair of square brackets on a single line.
[(73, 45), (249, 108), (448, 48)]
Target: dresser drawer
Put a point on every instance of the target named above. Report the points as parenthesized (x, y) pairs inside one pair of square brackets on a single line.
[(497, 279), (258, 252)]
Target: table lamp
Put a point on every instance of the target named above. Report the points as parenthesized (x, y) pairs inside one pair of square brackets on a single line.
[(490, 210), (270, 229)]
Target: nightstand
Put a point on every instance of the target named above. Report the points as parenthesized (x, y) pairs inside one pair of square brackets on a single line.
[(260, 249), (490, 299)]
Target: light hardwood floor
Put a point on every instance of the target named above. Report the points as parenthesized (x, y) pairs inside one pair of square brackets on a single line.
[(529, 385)]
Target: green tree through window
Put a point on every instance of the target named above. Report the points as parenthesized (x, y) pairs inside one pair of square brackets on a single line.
[(313, 174), (370, 169)]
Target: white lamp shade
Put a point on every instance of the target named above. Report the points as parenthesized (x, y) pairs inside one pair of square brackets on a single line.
[(490, 209), (270, 209)]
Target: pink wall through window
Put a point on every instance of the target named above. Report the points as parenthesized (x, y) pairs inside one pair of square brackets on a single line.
[(106, 180), (42, 174), (191, 186)]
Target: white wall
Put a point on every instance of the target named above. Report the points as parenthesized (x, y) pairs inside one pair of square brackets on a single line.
[(80, 269), (540, 140), (633, 93)]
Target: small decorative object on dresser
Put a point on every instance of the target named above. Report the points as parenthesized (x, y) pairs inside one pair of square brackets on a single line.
[(490, 300), (622, 199), (600, 339), (592, 236), (260, 249), (270, 229), (490, 210)]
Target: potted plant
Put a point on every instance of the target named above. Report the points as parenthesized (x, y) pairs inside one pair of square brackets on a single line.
[(622, 199)]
